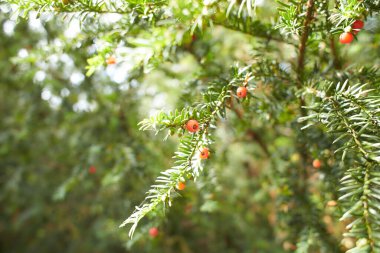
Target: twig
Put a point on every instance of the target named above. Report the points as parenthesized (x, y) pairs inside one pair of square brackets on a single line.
[(301, 186), (303, 41), (250, 132), (334, 51)]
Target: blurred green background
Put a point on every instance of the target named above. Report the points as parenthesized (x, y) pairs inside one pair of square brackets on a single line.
[(56, 123)]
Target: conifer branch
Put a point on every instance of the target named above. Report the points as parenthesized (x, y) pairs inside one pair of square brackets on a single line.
[(161, 31), (187, 164), (82, 8), (349, 112)]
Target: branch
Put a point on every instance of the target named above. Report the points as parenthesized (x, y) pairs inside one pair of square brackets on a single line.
[(303, 41), (267, 37), (250, 132), (334, 51), (351, 113), (186, 164), (84, 7)]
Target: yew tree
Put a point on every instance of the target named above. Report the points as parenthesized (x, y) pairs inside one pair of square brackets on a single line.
[(256, 123)]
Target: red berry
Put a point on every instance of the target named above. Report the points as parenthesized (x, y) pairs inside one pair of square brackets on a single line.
[(111, 60), (153, 232), (358, 24), (317, 164), (92, 170), (241, 92), (192, 126), (181, 186), (204, 153), (346, 38)]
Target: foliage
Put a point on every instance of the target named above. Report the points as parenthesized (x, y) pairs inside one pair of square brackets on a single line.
[(351, 114), (65, 110)]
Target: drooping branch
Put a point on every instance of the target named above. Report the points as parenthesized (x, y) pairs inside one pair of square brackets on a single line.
[(186, 164)]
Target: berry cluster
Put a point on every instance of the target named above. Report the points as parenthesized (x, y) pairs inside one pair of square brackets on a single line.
[(192, 126), (348, 36)]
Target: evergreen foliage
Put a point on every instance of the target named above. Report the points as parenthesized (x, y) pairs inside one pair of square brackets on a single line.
[(304, 102)]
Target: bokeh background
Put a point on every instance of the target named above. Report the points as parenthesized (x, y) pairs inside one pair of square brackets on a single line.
[(74, 164)]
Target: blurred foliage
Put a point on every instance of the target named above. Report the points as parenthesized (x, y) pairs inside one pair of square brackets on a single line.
[(74, 164)]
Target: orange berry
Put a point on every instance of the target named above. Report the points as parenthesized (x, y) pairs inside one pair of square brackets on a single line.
[(317, 164), (204, 153), (92, 170), (332, 203), (289, 246), (346, 38), (111, 60), (153, 232), (241, 92), (192, 126), (181, 186)]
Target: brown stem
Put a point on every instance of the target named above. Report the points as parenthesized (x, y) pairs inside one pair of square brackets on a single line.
[(303, 41), (302, 172), (250, 132), (254, 136), (334, 51)]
